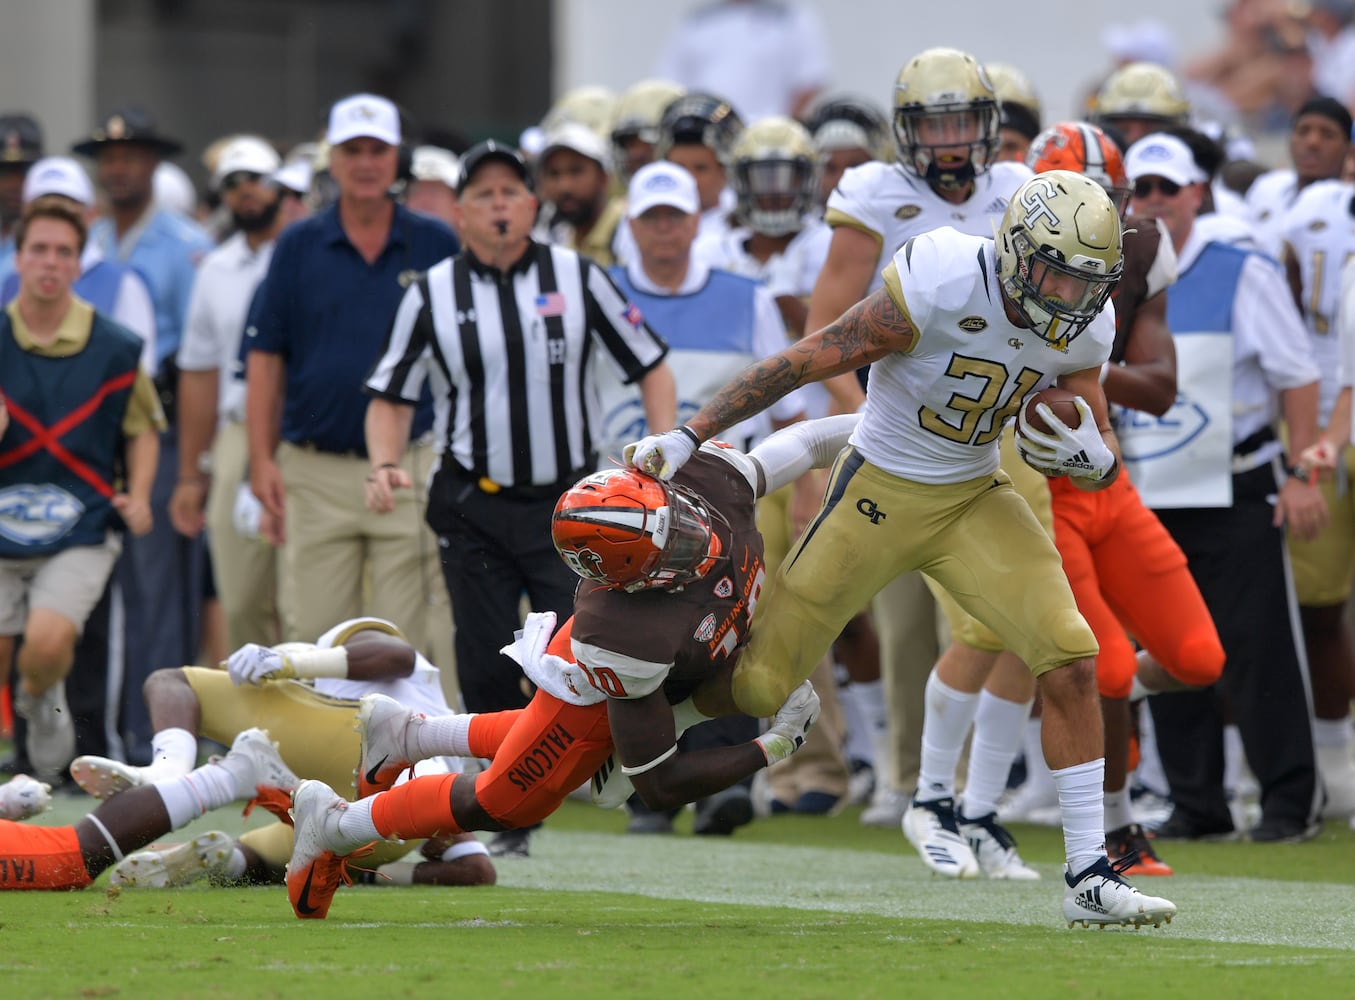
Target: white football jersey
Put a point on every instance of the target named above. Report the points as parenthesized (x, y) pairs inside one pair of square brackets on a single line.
[(1268, 198), (890, 203), (1320, 230), (791, 272), (934, 415)]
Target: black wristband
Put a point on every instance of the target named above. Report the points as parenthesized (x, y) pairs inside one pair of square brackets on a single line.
[(696, 441), (1298, 472), (386, 465)]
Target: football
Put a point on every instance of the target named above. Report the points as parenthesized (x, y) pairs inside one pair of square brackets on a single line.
[(1058, 400)]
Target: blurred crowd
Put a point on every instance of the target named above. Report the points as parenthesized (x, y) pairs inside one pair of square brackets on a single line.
[(742, 108)]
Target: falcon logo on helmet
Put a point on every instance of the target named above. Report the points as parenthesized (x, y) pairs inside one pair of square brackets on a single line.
[(627, 530)]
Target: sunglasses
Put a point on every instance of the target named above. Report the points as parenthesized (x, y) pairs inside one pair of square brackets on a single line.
[(234, 179), (1145, 186)]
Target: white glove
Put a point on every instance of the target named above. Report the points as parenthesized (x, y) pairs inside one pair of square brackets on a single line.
[(254, 664), (661, 455), (790, 725), (1070, 451), (22, 797), (246, 513)]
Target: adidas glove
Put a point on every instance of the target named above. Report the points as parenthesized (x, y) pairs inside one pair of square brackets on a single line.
[(790, 725), (1069, 451), (661, 455)]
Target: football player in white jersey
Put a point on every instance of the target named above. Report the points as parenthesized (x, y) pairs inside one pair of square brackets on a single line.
[(698, 132), (946, 125), (963, 331), (1319, 239)]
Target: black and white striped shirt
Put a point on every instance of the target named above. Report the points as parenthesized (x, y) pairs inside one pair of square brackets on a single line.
[(509, 357)]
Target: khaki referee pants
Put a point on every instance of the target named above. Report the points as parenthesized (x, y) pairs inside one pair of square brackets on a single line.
[(245, 569), (341, 560)]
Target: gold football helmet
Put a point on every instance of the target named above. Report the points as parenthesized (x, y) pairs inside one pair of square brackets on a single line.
[(1059, 254), (1014, 87), (944, 101), (638, 114), (699, 119), (1141, 90), (589, 105), (774, 170)]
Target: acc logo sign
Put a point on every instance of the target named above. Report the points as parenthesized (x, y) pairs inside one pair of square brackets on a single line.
[(705, 632), (908, 212), (1144, 437), (973, 324), (37, 515)]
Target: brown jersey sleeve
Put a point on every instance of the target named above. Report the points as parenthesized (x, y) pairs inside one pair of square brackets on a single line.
[(1140, 250)]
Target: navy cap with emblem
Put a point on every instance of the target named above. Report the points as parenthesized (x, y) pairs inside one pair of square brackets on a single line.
[(20, 139), (133, 125)]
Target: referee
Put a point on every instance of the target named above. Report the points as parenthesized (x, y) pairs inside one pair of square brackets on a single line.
[(507, 332)]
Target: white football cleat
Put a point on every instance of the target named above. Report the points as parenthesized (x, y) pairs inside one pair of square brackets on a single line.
[(384, 725), (104, 777), (931, 828), (270, 771), (22, 797), (995, 848), (314, 871), (204, 856), (1101, 896), (51, 730)]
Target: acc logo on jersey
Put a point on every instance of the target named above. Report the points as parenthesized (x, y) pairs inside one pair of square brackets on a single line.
[(1144, 436), (1317, 225), (725, 588), (908, 212), (705, 632), (973, 324), (37, 515)]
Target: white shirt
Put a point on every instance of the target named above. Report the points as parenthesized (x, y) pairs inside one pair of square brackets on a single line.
[(757, 55), (217, 308), (1270, 346), (1268, 198), (132, 308)]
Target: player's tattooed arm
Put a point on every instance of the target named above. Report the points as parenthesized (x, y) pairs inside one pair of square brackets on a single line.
[(865, 333)]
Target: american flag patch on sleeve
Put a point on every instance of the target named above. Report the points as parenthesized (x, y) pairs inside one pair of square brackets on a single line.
[(632, 315), (550, 304)]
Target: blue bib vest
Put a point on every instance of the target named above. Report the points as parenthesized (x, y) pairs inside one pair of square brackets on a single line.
[(718, 316), (58, 455), (1201, 301)]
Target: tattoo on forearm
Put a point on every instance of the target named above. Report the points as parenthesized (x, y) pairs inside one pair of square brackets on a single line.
[(864, 333)]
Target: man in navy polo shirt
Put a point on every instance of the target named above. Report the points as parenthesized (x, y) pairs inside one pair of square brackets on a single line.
[(332, 288)]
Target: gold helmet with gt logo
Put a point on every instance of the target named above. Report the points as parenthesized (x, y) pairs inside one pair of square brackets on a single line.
[(1058, 253), (1141, 90), (945, 117), (774, 170), (638, 114), (589, 105)]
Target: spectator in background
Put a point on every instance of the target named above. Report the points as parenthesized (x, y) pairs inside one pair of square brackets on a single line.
[(63, 369), (213, 450), (765, 58), (574, 178), (1331, 41), (331, 291), (162, 573), (431, 189), (20, 148)]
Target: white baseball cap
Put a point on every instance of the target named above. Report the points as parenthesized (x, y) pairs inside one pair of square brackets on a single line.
[(1162, 155), (247, 153), (662, 183), (433, 163), (363, 115), (581, 139), (294, 176), (58, 175)]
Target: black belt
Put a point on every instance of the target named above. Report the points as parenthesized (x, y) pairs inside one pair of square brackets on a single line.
[(531, 492), (1253, 441), (309, 445)]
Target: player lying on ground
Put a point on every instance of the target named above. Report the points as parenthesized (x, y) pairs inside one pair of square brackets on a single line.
[(70, 857), (671, 575), (308, 695)]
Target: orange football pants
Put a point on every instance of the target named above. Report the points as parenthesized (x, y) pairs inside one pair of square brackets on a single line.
[(539, 755), (40, 857), (1129, 575)]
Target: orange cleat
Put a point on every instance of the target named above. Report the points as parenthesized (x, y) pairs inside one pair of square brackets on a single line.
[(315, 871), (1133, 841)]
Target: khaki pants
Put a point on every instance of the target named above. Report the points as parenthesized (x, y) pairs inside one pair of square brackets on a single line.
[(341, 560), (245, 569)]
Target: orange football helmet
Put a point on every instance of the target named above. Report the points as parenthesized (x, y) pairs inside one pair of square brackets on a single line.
[(1084, 149), (633, 532)]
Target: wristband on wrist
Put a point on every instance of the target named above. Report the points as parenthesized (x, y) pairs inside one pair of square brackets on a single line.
[(306, 660), (696, 441)]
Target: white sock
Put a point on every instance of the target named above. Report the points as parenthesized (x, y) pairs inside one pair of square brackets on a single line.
[(236, 866), (1038, 778), (442, 734), (198, 793), (1332, 732), (1117, 810), (998, 728), (356, 827), (863, 713), (950, 713), (1149, 773), (1234, 760), (1080, 797), (174, 752)]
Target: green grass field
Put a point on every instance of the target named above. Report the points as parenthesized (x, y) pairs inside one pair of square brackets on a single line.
[(789, 907)]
